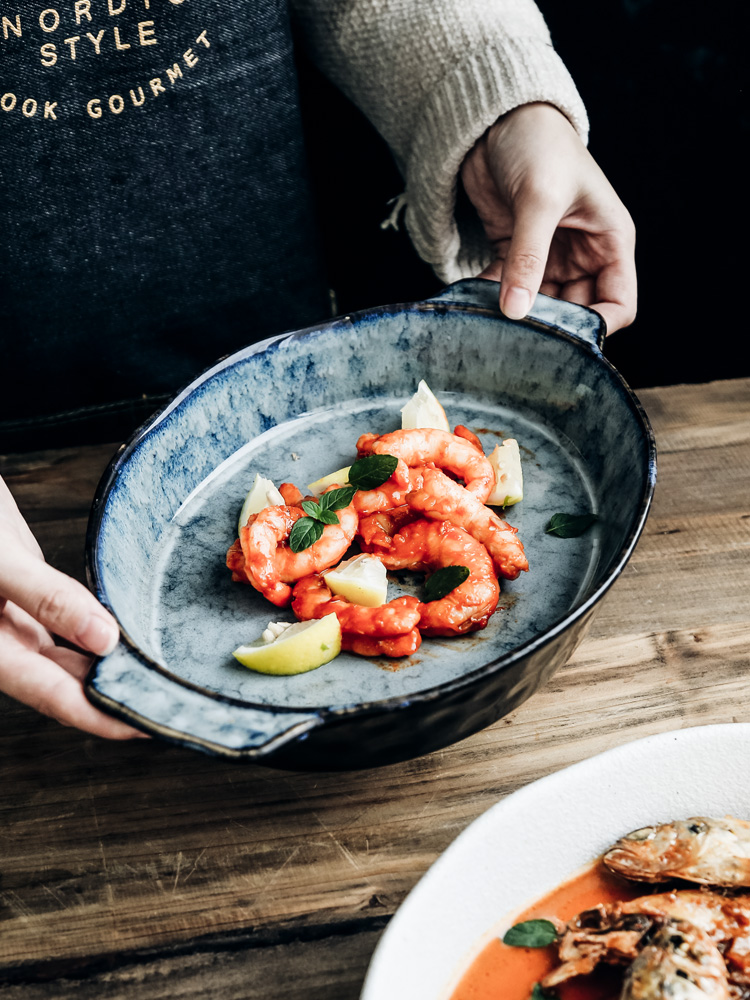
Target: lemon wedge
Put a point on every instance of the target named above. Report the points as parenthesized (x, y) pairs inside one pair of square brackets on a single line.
[(361, 580), (286, 649), (262, 494), (506, 461), (338, 478), (423, 410)]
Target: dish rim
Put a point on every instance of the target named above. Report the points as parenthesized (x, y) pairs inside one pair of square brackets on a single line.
[(502, 662)]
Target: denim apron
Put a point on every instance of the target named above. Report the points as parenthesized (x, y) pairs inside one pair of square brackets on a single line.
[(154, 204)]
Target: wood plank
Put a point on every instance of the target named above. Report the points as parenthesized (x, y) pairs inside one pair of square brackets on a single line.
[(689, 409), (109, 849), (112, 847), (333, 967), (697, 536), (58, 484)]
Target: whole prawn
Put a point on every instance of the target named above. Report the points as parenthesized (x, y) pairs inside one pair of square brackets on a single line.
[(616, 933), (442, 499), (430, 545), (726, 920), (679, 962), (270, 565), (700, 849), (428, 446), (369, 631)]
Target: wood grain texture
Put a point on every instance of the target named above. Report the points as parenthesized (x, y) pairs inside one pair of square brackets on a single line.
[(126, 867), (333, 966)]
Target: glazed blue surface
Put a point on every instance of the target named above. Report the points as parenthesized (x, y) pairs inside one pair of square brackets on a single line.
[(292, 409)]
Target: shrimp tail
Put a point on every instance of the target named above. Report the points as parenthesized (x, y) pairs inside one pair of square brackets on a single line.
[(464, 432), (291, 494), (366, 645), (236, 563)]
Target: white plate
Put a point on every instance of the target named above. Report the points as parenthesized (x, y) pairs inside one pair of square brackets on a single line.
[(534, 839)]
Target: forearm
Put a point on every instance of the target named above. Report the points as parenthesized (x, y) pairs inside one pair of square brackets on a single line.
[(432, 77), (401, 60)]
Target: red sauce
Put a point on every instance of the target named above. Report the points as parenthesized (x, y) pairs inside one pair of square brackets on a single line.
[(503, 973)]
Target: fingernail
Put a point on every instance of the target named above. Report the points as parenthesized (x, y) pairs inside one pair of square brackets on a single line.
[(98, 635), (517, 303)]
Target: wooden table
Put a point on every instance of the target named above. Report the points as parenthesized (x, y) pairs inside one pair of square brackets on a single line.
[(142, 870)]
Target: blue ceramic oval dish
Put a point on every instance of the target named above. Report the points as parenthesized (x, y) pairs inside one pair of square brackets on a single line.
[(292, 408)]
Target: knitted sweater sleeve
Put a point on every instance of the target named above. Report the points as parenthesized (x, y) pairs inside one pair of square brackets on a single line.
[(432, 76)]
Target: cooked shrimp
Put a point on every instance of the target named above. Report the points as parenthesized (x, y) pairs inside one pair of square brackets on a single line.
[(442, 499), (365, 444), (709, 851), (291, 494), (323, 554), (680, 962), (313, 599), (430, 545), (428, 446), (377, 530), (270, 564), (399, 645), (260, 539), (390, 495)]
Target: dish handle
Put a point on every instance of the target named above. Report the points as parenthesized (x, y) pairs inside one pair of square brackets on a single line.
[(144, 695), (577, 321)]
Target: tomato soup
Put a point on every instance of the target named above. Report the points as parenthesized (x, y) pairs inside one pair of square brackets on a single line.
[(501, 972)]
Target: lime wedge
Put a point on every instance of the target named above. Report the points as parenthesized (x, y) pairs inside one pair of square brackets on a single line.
[(295, 650), (338, 478), (262, 494), (361, 580), (423, 410), (506, 461)]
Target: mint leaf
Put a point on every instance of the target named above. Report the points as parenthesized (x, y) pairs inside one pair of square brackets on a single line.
[(443, 581), (317, 514), (337, 499), (304, 533), (372, 471), (327, 517), (531, 934), (570, 525)]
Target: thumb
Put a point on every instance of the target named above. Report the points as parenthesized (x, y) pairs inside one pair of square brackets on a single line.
[(59, 603), (523, 269)]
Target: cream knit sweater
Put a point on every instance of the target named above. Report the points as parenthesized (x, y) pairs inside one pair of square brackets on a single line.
[(432, 76)]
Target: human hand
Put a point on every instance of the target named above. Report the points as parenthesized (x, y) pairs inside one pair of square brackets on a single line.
[(36, 603), (553, 218)]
